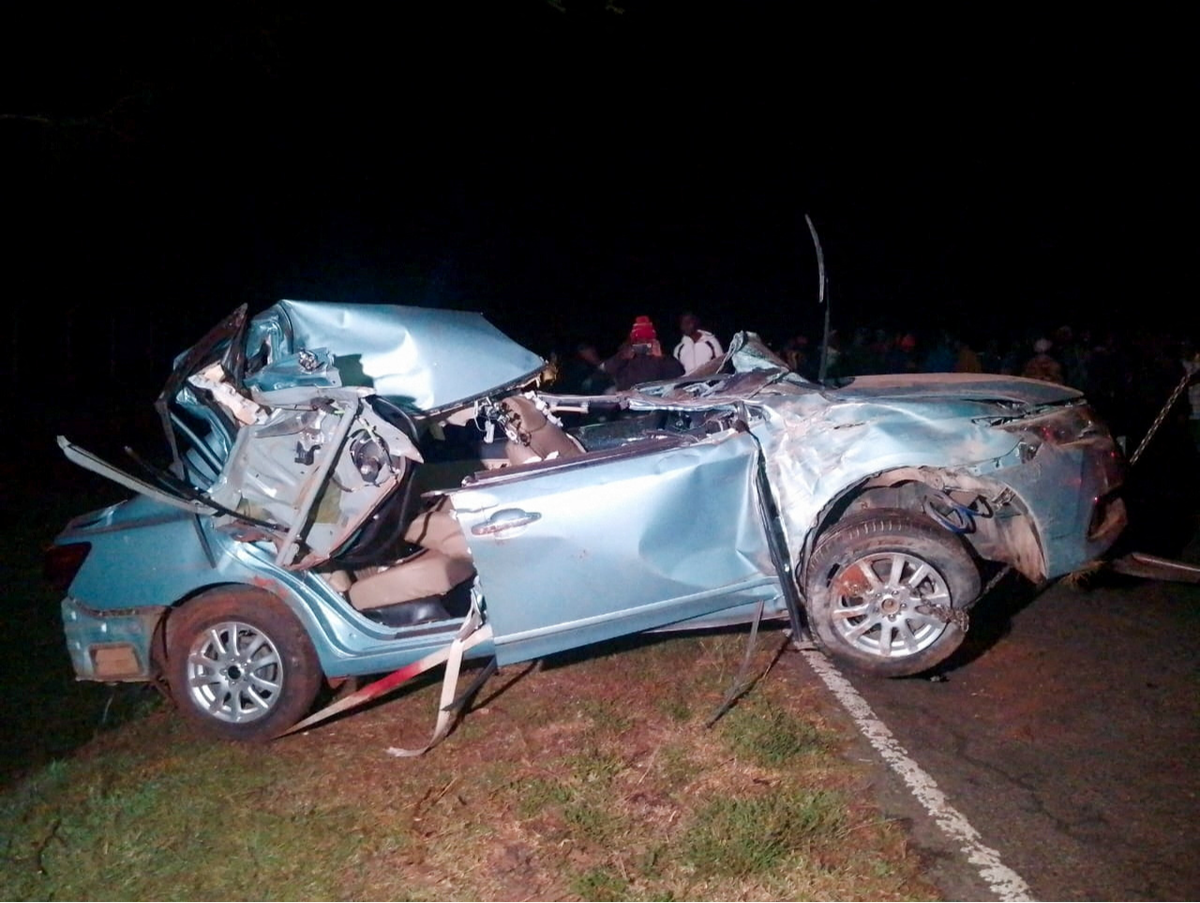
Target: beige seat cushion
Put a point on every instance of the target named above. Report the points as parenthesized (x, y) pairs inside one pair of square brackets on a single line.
[(437, 528), (428, 573), (442, 564)]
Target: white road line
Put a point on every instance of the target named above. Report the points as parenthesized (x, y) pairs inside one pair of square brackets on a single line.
[(1003, 881)]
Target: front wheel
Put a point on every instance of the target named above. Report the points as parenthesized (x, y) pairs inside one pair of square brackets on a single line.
[(240, 664), (885, 589)]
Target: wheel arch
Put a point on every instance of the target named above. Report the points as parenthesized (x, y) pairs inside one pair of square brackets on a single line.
[(300, 610), (229, 586), (1005, 532)]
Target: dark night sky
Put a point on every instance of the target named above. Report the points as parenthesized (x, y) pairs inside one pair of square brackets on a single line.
[(565, 170)]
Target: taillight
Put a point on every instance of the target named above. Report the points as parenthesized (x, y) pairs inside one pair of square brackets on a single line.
[(60, 564)]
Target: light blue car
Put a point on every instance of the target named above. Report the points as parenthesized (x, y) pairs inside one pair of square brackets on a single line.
[(310, 528)]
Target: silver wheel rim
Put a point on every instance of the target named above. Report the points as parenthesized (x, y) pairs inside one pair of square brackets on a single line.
[(234, 673), (877, 600)]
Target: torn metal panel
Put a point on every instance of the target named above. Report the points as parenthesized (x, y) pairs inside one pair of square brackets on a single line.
[(315, 367), (814, 449), (985, 512), (727, 390), (423, 359), (748, 352), (1069, 490), (749, 369), (317, 463)]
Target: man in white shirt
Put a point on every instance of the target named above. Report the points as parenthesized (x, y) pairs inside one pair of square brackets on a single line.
[(698, 346)]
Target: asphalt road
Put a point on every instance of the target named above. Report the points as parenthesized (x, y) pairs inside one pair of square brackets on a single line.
[(1066, 732)]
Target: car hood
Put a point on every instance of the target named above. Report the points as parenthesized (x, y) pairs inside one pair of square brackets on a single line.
[(422, 359), (969, 386)]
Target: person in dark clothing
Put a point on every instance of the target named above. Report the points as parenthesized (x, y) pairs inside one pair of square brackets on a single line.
[(581, 373), (1043, 365), (641, 359), (902, 358)]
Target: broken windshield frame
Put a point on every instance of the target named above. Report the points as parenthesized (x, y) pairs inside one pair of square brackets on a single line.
[(222, 344)]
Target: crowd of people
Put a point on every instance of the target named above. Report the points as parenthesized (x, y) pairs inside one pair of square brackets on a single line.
[(640, 358), (1127, 377)]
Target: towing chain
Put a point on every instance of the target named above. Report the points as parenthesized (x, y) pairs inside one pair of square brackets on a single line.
[(946, 614), (1162, 415), (959, 616)]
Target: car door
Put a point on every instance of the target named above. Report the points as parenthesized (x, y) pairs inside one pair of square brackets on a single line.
[(616, 542)]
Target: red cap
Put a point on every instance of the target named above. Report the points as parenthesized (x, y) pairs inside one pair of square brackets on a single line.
[(643, 331)]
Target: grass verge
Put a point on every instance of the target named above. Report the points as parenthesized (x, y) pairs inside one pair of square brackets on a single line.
[(586, 778)]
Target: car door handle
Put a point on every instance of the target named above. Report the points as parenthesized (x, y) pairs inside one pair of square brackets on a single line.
[(505, 519)]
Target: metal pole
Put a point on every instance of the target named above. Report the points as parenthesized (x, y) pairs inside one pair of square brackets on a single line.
[(822, 285)]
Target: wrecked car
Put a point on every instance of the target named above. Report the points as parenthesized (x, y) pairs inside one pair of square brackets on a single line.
[(362, 489)]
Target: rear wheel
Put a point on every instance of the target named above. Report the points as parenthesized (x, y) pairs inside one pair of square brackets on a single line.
[(883, 590), (240, 664)]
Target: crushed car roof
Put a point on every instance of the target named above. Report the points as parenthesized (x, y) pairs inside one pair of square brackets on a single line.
[(424, 359)]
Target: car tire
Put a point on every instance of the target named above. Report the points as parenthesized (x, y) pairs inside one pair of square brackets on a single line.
[(240, 665), (867, 577)]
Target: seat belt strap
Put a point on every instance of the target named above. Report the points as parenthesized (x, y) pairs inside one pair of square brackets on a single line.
[(447, 710), (472, 633)]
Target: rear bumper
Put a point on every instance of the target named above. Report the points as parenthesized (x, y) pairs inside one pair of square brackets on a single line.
[(110, 646)]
